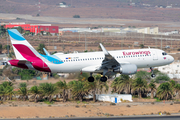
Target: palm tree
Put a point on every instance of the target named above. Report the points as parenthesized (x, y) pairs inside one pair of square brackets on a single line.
[(9, 92), (164, 91), (177, 90), (23, 91), (5, 84), (0, 48), (63, 86), (2, 30), (70, 86), (97, 86), (140, 85), (22, 85), (143, 74), (7, 48), (20, 29), (152, 86), (6, 90), (35, 90), (40, 48), (80, 89), (124, 82), (2, 92), (48, 89)]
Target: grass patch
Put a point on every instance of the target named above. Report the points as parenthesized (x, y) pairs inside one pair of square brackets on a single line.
[(78, 102), (135, 96), (49, 103), (147, 98), (157, 99), (84, 102)]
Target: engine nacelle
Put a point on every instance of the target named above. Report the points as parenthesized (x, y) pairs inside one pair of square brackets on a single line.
[(126, 69)]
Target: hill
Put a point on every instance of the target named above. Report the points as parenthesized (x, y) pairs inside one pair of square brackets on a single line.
[(122, 9)]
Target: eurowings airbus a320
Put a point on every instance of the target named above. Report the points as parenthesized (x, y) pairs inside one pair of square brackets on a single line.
[(105, 62)]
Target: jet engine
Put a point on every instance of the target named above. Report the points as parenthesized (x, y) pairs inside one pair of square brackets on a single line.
[(126, 69)]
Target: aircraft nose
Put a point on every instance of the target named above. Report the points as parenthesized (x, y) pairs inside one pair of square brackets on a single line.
[(171, 59)]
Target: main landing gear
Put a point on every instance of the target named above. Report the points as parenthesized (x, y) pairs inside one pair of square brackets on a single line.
[(91, 78), (103, 79), (152, 71)]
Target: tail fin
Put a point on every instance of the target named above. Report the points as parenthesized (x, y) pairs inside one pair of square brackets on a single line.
[(23, 50)]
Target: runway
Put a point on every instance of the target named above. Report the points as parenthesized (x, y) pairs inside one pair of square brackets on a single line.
[(112, 118)]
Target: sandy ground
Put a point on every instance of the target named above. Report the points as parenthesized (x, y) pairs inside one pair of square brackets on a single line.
[(41, 110)]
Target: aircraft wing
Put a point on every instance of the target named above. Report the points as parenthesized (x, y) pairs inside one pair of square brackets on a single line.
[(107, 66), (109, 61)]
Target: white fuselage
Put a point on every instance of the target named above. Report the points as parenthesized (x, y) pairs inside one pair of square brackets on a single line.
[(143, 58)]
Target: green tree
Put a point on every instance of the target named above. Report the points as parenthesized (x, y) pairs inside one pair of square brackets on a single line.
[(63, 88), (76, 16), (48, 89), (23, 92), (7, 48), (177, 90), (20, 29), (139, 84), (2, 30), (6, 90), (164, 91), (80, 89), (97, 86), (70, 86), (152, 86), (42, 32), (22, 85), (40, 49), (6, 84), (35, 91), (83, 76), (64, 3), (1, 48), (141, 45), (172, 83), (9, 92), (143, 74), (162, 76), (124, 82), (2, 92)]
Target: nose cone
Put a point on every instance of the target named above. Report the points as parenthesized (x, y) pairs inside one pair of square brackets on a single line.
[(171, 59)]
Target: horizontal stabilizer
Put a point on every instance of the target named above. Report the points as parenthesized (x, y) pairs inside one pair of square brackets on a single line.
[(46, 52)]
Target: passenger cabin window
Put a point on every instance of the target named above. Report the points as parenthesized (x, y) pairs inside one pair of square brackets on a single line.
[(164, 53)]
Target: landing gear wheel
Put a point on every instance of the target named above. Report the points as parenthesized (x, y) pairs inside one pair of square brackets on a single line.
[(153, 75), (91, 79), (152, 71), (103, 79)]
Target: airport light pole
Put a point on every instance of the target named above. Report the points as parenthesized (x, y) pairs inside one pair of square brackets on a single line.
[(85, 42), (143, 38), (7, 43), (161, 42), (171, 41)]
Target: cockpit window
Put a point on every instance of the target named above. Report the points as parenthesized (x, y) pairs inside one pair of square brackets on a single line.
[(164, 53)]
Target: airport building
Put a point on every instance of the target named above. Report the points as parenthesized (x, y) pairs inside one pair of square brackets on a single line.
[(172, 70), (146, 30), (35, 28)]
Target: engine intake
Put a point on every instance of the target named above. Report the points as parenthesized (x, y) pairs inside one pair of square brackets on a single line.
[(127, 69)]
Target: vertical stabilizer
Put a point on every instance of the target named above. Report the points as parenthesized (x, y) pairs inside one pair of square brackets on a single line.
[(23, 50)]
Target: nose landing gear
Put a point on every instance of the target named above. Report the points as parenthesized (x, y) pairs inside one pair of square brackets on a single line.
[(152, 71)]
